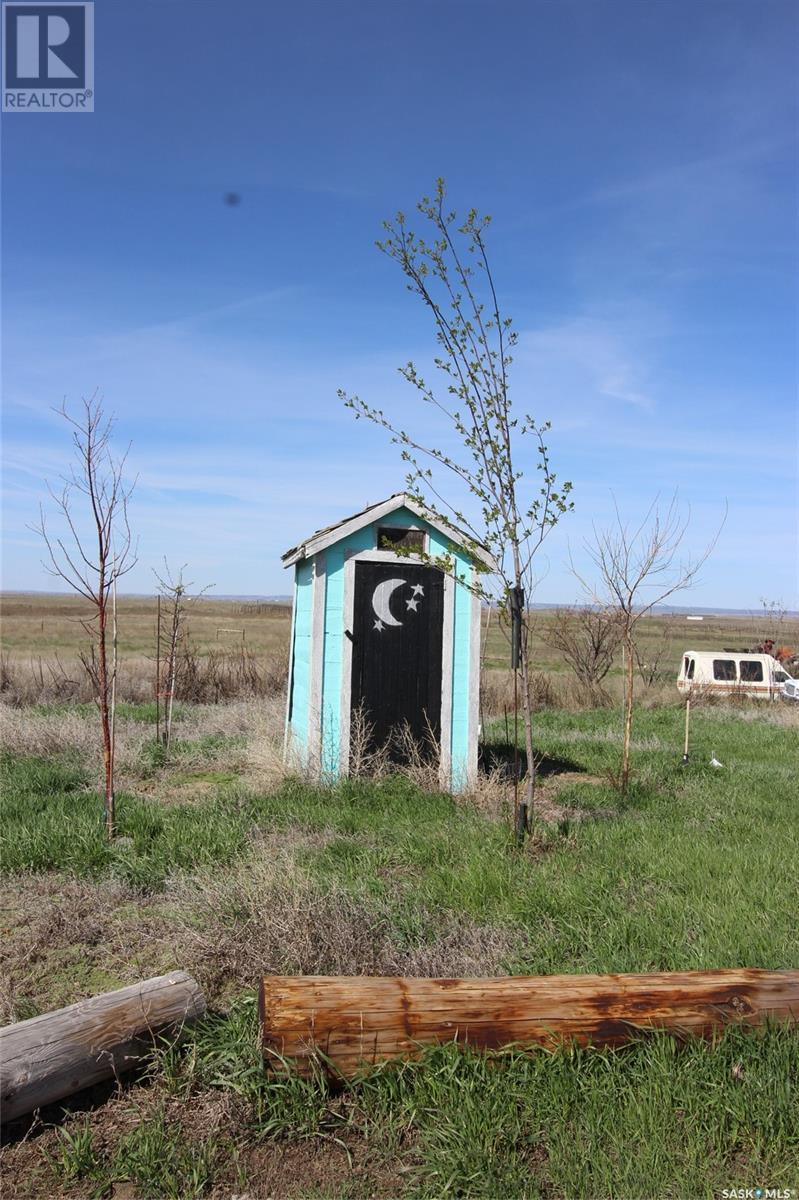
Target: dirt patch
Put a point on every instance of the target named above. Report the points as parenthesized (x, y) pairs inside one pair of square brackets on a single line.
[(31, 1144), (324, 1165), (64, 939), (182, 787), (548, 807), (26, 1174), (318, 1167)]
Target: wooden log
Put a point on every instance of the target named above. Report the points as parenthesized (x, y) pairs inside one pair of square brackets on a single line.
[(358, 1020), (56, 1054)]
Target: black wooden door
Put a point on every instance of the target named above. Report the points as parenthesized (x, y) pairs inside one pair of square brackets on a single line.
[(396, 654)]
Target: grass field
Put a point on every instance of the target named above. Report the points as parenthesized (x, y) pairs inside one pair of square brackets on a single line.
[(694, 871), (228, 868)]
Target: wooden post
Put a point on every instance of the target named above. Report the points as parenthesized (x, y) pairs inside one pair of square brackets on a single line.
[(158, 670), (687, 723), (352, 1021), (51, 1056), (114, 667)]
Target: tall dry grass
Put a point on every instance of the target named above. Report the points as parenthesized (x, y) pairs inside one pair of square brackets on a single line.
[(418, 760), (66, 731), (214, 677), (243, 736), (273, 917), (562, 691)]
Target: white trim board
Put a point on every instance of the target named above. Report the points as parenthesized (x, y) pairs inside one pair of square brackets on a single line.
[(447, 664), (474, 688), (317, 664), (290, 687)]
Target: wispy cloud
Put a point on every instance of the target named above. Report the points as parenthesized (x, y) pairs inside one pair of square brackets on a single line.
[(190, 320), (580, 361), (689, 177)]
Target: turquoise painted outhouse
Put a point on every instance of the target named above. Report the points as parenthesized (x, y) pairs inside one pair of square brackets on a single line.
[(384, 644)]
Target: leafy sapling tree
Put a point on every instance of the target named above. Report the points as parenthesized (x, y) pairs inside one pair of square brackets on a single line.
[(638, 568), (449, 272), (92, 551)]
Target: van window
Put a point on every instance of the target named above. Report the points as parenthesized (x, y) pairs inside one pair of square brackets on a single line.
[(751, 672), (688, 667), (724, 668), (781, 677)]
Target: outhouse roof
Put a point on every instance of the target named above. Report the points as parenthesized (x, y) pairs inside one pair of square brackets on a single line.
[(374, 512)]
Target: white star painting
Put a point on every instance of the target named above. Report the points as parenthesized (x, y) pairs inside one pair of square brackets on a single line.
[(381, 598)]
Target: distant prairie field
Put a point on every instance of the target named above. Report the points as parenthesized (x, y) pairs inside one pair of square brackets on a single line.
[(38, 623), (233, 648), (40, 629)]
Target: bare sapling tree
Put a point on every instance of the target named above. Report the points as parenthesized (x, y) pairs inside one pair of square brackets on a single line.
[(773, 627), (481, 488), (588, 638), (174, 591), (92, 552), (652, 655), (772, 617), (640, 567)]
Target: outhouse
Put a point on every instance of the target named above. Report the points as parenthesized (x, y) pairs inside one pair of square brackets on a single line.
[(385, 639)]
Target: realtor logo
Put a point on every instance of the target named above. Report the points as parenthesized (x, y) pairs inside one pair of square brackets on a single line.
[(48, 57)]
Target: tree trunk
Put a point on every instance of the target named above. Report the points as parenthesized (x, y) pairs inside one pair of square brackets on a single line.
[(173, 666), (105, 715), (629, 685), (113, 688), (351, 1021), (527, 698), (527, 713)]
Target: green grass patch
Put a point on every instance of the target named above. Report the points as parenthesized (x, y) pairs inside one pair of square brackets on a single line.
[(656, 1117), (52, 822), (695, 869), (155, 1157), (209, 748), (692, 871), (125, 711)]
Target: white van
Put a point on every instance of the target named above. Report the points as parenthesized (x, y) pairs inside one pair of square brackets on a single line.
[(725, 672)]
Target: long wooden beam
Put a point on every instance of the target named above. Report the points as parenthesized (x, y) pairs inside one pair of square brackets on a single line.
[(58, 1053), (359, 1020)]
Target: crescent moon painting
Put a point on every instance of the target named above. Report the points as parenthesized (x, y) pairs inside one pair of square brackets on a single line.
[(380, 603)]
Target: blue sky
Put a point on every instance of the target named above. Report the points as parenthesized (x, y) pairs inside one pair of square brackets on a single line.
[(640, 163)]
